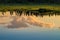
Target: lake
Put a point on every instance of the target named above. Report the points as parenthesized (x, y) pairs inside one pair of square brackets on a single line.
[(29, 27)]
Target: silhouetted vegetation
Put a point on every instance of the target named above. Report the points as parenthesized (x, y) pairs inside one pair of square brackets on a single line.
[(40, 12)]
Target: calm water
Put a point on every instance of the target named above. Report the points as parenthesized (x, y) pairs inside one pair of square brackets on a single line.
[(29, 27)]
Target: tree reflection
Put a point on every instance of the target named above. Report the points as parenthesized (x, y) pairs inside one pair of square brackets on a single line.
[(40, 12), (11, 13)]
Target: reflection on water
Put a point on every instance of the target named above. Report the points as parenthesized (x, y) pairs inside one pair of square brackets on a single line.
[(29, 27), (24, 21)]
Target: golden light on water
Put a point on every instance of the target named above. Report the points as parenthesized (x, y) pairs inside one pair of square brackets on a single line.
[(23, 21), (7, 14)]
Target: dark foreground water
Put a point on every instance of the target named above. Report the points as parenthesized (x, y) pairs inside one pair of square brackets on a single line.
[(29, 28)]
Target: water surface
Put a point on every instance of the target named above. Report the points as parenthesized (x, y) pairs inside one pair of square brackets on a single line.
[(29, 27)]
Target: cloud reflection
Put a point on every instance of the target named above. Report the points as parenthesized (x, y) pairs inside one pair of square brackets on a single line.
[(17, 24), (23, 21)]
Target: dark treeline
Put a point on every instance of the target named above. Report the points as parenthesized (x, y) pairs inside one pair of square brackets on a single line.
[(30, 1), (39, 12)]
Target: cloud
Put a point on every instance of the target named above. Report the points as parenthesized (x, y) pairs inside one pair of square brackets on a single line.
[(23, 21), (20, 22), (17, 24), (37, 22), (4, 20)]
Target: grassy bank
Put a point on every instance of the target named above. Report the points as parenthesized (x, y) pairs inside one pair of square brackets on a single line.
[(32, 7)]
